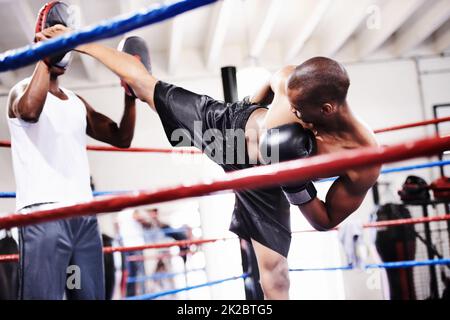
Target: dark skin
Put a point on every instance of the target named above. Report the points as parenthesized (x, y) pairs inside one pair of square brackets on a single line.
[(27, 102)]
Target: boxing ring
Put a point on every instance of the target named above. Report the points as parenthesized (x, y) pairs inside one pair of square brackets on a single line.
[(264, 176)]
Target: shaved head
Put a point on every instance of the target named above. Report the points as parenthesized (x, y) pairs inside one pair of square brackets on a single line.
[(317, 81)]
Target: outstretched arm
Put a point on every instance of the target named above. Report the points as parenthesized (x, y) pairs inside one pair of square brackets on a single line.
[(264, 95)]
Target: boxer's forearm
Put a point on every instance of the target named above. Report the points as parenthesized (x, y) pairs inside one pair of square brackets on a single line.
[(341, 201), (263, 96), (128, 121)]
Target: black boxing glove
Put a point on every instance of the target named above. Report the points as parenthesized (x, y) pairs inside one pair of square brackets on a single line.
[(290, 142)]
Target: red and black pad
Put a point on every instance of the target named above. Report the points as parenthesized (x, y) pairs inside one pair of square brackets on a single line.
[(441, 188), (52, 13), (137, 47)]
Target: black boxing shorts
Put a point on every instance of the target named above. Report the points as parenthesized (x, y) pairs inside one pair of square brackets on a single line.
[(190, 119)]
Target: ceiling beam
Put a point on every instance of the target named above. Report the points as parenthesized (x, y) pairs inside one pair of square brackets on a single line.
[(220, 21), (26, 18), (266, 27), (393, 15), (89, 64), (341, 25), (413, 35), (129, 6), (442, 40), (308, 28), (176, 31), (125, 7), (8, 79)]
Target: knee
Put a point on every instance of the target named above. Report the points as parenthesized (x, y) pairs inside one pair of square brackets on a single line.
[(275, 276)]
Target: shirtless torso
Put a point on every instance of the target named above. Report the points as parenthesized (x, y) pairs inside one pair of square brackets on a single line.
[(349, 133)]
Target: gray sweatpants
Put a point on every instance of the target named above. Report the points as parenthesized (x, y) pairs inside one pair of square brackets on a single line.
[(61, 257)]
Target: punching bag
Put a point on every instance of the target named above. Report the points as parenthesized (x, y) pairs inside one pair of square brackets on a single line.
[(397, 244)]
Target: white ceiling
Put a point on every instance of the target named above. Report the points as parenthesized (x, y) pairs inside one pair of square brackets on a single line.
[(271, 32)]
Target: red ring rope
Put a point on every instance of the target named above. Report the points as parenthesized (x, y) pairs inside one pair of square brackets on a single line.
[(136, 258), (392, 223), (9, 258), (181, 243), (413, 124), (379, 224), (4, 143), (7, 144), (327, 165), (150, 150)]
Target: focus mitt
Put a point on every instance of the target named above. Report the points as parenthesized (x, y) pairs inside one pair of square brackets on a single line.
[(137, 47), (52, 13)]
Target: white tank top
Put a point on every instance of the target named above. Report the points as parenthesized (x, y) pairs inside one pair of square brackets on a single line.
[(49, 157)]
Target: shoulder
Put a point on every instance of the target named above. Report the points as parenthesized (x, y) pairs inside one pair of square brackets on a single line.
[(366, 134), (15, 92), (285, 72), (18, 88), (279, 78)]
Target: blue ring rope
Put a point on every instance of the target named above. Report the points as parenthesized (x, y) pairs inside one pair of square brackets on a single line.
[(385, 265), (152, 296), (161, 275), (95, 193), (416, 166), (321, 269), (401, 169), (385, 171), (26, 55), (408, 264)]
